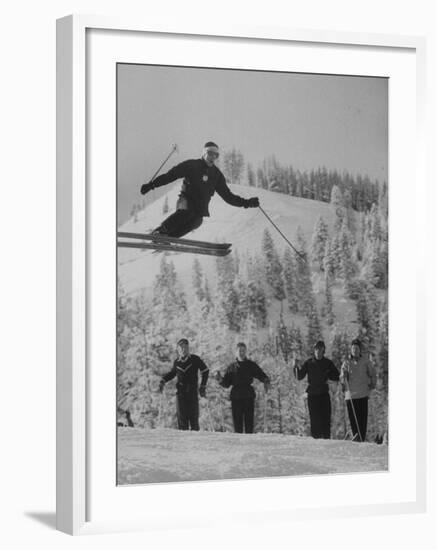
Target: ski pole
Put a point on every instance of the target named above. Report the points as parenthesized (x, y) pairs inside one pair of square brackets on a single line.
[(353, 410), (159, 411), (347, 431), (301, 256), (305, 400), (211, 425), (265, 411), (222, 414), (161, 419), (173, 150)]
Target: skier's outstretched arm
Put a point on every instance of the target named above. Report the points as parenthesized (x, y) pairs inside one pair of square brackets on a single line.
[(333, 373), (260, 375), (167, 377), (300, 371), (177, 172), (234, 200), (226, 379), (204, 371)]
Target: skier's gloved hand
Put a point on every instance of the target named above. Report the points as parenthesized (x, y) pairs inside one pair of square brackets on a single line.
[(267, 386), (161, 386), (202, 391), (146, 187), (218, 376), (252, 203)]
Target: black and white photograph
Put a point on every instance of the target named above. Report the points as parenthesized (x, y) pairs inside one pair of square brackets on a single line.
[(252, 274)]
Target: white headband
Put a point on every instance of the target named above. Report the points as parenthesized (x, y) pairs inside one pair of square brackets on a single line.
[(211, 148)]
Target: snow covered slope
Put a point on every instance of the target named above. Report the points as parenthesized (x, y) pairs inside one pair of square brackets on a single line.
[(242, 227), (150, 456)]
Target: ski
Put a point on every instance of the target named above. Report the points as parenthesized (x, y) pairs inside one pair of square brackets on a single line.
[(169, 247), (164, 239)]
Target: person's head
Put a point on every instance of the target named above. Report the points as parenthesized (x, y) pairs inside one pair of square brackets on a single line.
[(210, 152), (355, 348), (319, 349), (183, 347), (241, 351)]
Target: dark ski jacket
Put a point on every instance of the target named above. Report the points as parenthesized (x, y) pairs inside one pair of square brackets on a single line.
[(200, 183), (186, 373), (240, 375), (319, 371)]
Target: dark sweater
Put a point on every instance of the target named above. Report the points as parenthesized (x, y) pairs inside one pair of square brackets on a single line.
[(187, 373), (200, 183), (319, 371), (240, 375)]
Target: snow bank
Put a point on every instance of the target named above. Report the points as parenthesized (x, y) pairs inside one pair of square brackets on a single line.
[(164, 455)]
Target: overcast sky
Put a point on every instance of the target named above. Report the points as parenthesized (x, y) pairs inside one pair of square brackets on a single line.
[(304, 120)]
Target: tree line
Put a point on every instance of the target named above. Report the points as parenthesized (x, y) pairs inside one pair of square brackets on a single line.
[(359, 192)]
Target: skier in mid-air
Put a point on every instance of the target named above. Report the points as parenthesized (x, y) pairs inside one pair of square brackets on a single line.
[(201, 180), (186, 368)]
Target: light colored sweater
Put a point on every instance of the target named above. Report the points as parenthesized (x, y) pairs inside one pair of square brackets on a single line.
[(358, 377)]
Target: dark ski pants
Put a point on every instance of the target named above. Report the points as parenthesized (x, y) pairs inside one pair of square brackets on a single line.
[(360, 407), (188, 411), (242, 414), (182, 221), (319, 407)]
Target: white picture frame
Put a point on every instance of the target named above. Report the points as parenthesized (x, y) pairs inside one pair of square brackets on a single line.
[(75, 347)]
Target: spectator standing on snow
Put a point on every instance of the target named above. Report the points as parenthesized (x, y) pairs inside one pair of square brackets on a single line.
[(186, 368), (358, 379), (240, 375), (318, 370)]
